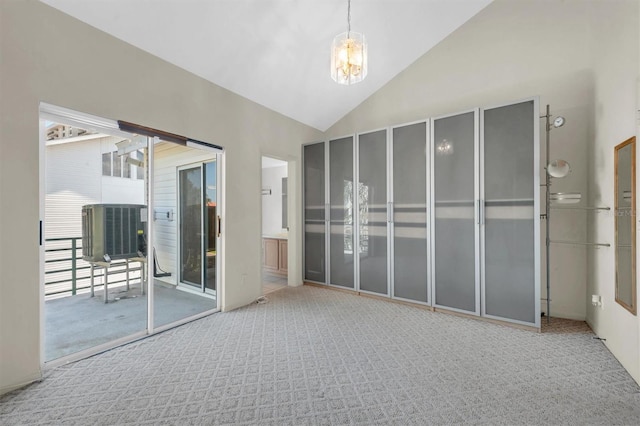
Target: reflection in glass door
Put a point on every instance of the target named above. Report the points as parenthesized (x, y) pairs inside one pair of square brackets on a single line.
[(210, 224), (198, 226), (186, 224), (190, 214)]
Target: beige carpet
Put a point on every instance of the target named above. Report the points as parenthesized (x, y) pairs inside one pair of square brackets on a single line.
[(315, 356)]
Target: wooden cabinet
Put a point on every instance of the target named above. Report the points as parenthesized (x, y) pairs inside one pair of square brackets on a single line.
[(282, 256), (274, 255), (270, 254)]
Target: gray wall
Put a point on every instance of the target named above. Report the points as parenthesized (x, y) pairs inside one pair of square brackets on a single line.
[(51, 57)]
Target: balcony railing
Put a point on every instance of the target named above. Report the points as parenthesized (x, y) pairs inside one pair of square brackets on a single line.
[(67, 274)]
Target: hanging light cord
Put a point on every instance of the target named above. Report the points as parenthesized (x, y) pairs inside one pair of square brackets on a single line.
[(348, 18)]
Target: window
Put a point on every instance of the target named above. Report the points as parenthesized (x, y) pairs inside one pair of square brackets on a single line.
[(118, 166), (139, 156), (126, 166), (106, 164)]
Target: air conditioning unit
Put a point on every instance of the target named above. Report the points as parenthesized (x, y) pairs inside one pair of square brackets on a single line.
[(113, 231)]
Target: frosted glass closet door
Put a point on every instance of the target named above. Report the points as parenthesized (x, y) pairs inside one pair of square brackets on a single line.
[(510, 233), (314, 213), (410, 212), (454, 232), (372, 211), (341, 243)]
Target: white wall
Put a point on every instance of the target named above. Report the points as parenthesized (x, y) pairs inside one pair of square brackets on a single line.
[(615, 43), (130, 85), (272, 204), (509, 51)]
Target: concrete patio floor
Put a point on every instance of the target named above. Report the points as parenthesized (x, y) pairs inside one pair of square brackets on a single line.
[(79, 322)]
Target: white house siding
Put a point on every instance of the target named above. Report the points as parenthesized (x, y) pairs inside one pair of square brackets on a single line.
[(73, 179), (168, 158)]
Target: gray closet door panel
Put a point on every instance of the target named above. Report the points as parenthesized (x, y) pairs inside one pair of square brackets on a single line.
[(454, 193), (509, 229), (508, 152), (314, 213), (314, 249), (341, 247), (373, 267), (510, 292), (410, 212), (455, 264), (372, 211), (410, 269)]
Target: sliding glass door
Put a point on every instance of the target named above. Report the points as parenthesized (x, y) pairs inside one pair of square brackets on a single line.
[(131, 232), (187, 232)]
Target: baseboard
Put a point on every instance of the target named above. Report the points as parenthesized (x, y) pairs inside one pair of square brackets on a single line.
[(6, 389), (426, 307), (569, 316)]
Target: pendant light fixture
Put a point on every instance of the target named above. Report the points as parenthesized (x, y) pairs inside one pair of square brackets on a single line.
[(349, 55)]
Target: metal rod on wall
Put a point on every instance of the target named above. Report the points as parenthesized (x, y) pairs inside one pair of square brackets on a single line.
[(580, 208), (547, 209), (579, 243)]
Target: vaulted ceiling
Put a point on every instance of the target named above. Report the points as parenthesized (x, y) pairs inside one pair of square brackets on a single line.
[(276, 52)]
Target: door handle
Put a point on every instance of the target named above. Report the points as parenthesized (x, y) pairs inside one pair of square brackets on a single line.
[(219, 226)]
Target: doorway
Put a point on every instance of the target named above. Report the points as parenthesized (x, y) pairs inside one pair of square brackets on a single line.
[(275, 224)]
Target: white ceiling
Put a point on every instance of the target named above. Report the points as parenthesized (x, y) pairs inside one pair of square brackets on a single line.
[(276, 52)]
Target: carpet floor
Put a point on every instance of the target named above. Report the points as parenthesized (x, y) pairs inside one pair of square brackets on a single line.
[(313, 356)]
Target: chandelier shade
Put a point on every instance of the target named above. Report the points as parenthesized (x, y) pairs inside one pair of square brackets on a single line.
[(349, 58)]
